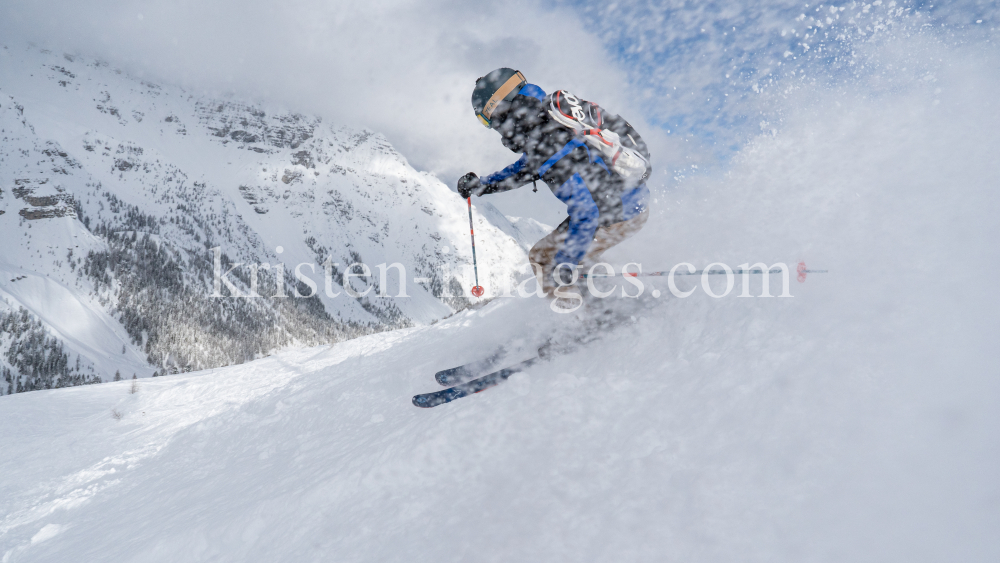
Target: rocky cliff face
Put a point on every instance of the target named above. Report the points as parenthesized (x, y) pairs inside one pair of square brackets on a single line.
[(119, 200)]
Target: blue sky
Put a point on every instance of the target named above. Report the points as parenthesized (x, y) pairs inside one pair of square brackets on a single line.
[(698, 68)]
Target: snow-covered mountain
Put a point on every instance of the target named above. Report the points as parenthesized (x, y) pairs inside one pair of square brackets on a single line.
[(114, 192)]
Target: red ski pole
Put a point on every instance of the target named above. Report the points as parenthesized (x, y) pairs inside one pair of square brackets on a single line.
[(477, 290)]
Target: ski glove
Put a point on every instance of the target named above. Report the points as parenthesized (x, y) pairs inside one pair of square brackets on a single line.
[(628, 163), (468, 185)]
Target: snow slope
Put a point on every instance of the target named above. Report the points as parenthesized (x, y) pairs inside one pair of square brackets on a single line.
[(705, 431), (856, 421)]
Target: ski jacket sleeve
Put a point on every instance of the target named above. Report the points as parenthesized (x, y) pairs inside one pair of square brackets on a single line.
[(511, 177)]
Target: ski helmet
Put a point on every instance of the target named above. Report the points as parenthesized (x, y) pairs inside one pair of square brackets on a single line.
[(498, 86)]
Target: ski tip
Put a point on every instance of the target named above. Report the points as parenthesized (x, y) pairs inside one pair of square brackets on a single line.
[(428, 400), (449, 377)]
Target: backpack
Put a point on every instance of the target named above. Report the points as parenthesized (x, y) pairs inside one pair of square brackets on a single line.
[(589, 121)]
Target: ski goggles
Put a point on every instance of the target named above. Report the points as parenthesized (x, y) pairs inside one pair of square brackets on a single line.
[(504, 93)]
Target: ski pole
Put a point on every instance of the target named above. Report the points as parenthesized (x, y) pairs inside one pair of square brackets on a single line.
[(800, 270), (477, 290), (698, 273)]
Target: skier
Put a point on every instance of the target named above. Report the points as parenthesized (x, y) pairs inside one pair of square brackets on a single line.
[(594, 162)]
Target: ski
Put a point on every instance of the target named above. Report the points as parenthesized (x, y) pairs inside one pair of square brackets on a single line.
[(428, 400), (472, 370)]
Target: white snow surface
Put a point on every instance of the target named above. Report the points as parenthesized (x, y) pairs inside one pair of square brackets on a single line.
[(857, 421)]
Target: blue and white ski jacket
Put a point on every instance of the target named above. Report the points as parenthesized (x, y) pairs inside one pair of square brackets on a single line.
[(594, 195)]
